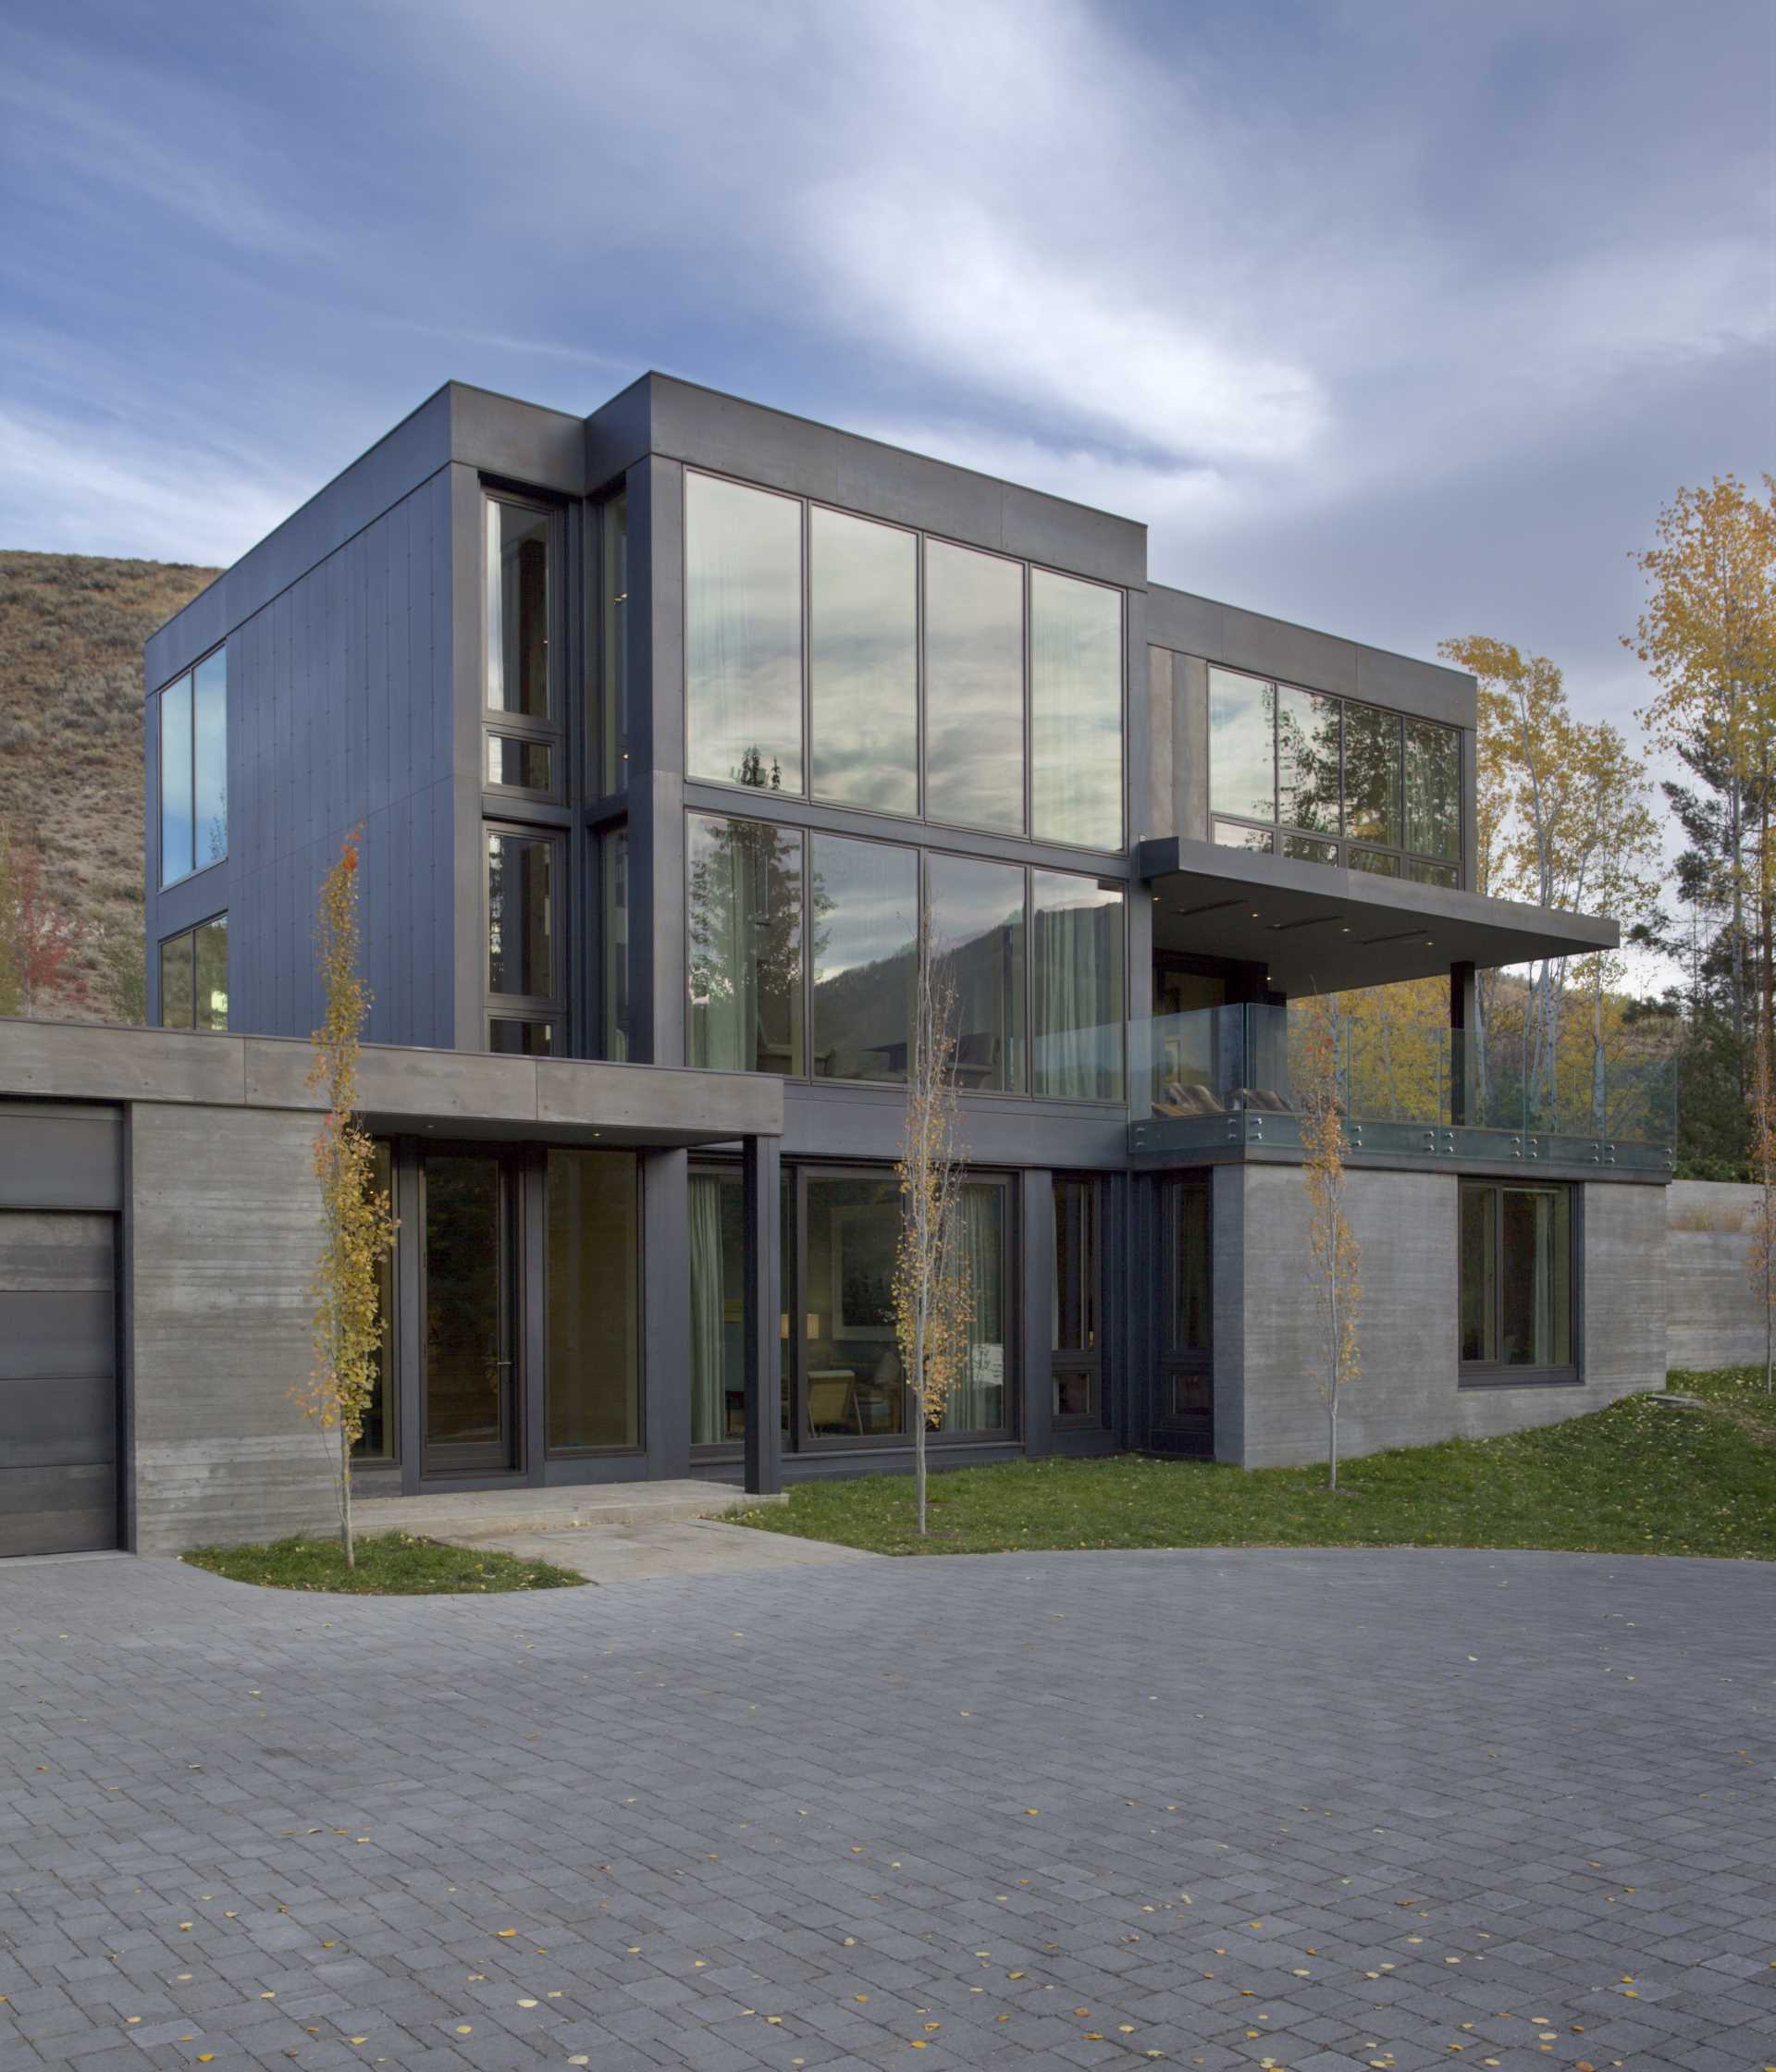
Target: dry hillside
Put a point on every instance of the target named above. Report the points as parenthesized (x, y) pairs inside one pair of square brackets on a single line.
[(72, 632)]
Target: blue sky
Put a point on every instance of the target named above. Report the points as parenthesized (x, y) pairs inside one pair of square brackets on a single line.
[(1399, 319)]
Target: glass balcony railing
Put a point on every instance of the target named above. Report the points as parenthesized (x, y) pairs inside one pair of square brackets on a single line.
[(1394, 1070)]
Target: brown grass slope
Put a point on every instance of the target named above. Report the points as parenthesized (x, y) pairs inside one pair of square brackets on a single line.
[(71, 632)]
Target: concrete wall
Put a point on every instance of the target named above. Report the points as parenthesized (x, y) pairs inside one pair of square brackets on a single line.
[(225, 1224), (1268, 1409), (1713, 1317)]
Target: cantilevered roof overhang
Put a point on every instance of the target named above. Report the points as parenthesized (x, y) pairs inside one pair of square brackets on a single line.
[(1318, 930)]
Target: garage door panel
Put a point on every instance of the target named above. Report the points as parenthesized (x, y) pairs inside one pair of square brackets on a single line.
[(56, 1334), (66, 1420), (44, 1254), (58, 1511)]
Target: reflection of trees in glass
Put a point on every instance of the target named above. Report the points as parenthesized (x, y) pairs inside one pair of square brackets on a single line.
[(1372, 774), (745, 945), (1433, 781), (1307, 760), (752, 771)]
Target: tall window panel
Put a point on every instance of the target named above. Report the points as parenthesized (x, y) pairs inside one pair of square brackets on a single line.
[(1075, 711), (1077, 1353), (1307, 762), (1372, 774), (976, 930), (519, 606), (193, 715), (525, 988), (1517, 1294), (744, 930), (974, 688), (863, 661), (612, 732), (614, 870), (1078, 986), (1433, 787), (864, 902), (976, 1402), (594, 1374), (743, 634), (718, 1239)]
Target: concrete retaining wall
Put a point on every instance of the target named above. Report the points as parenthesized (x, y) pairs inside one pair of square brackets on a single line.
[(1714, 1317), (1268, 1410)]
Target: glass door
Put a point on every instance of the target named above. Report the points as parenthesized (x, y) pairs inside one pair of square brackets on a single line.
[(471, 1378), (1185, 1423)]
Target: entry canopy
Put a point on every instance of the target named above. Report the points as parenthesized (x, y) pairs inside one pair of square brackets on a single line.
[(1317, 928)]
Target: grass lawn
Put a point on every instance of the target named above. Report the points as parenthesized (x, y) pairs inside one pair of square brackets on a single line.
[(389, 1565), (1638, 1478)]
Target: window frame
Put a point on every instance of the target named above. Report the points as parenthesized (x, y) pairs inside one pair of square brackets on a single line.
[(1497, 1373), (550, 1007), (550, 731), (189, 678), (922, 537), (805, 833), (1395, 861), (179, 935)]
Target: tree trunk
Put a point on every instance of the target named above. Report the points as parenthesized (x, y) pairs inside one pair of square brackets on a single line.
[(345, 1499), (1332, 1397), (918, 1393)]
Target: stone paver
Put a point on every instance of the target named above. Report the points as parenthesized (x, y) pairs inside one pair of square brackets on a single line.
[(1309, 1810), (639, 1552)]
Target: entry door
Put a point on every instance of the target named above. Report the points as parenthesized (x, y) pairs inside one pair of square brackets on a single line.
[(1185, 1423), (470, 1378)]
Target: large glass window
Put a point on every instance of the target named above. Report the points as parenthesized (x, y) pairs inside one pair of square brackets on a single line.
[(1074, 710), (864, 908), (852, 1382), (976, 930), (195, 977), (1432, 791), (745, 925), (1307, 761), (1077, 955), (1372, 774), (518, 610), (613, 646), (1077, 1364), (717, 1306), (1243, 765), (521, 869), (974, 688), (594, 1367), (743, 634), (193, 716), (1517, 1281), (863, 661), (977, 1401)]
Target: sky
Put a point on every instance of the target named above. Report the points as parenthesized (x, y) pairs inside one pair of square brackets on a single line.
[(1398, 317)]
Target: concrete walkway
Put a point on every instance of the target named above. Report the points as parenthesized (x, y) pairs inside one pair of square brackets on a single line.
[(615, 1533), (1325, 1811)]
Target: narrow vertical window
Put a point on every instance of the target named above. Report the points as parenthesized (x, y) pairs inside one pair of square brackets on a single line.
[(1075, 711), (615, 873), (865, 896), (376, 1441), (977, 1397), (974, 688), (177, 1005), (744, 928), (1077, 1353), (1307, 765), (1433, 786), (613, 646), (177, 804), (518, 610), (863, 663), (210, 759), (1372, 776), (523, 966), (1078, 958), (195, 977), (718, 1308), (743, 634)]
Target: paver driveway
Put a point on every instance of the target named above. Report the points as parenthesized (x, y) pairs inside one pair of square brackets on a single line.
[(1516, 1808)]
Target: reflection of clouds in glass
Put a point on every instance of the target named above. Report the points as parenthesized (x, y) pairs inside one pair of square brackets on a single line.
[(974, 695), (1307, 760), (1076, 710), (1240, 746), (864, 662), (742, 656), (866, 901)]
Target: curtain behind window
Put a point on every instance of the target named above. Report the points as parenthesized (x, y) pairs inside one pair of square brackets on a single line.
[(709, 1298)]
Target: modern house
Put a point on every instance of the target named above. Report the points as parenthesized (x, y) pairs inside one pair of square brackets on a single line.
[(663, 728)]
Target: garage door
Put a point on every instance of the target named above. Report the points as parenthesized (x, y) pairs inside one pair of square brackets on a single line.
[(58, 1382)]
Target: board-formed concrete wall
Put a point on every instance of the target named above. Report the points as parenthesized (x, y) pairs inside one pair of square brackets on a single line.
[(224, 1218), (1714, 1318), (1268, 1409)]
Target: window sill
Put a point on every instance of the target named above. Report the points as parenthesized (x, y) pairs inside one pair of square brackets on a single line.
[(1519, 1378)]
